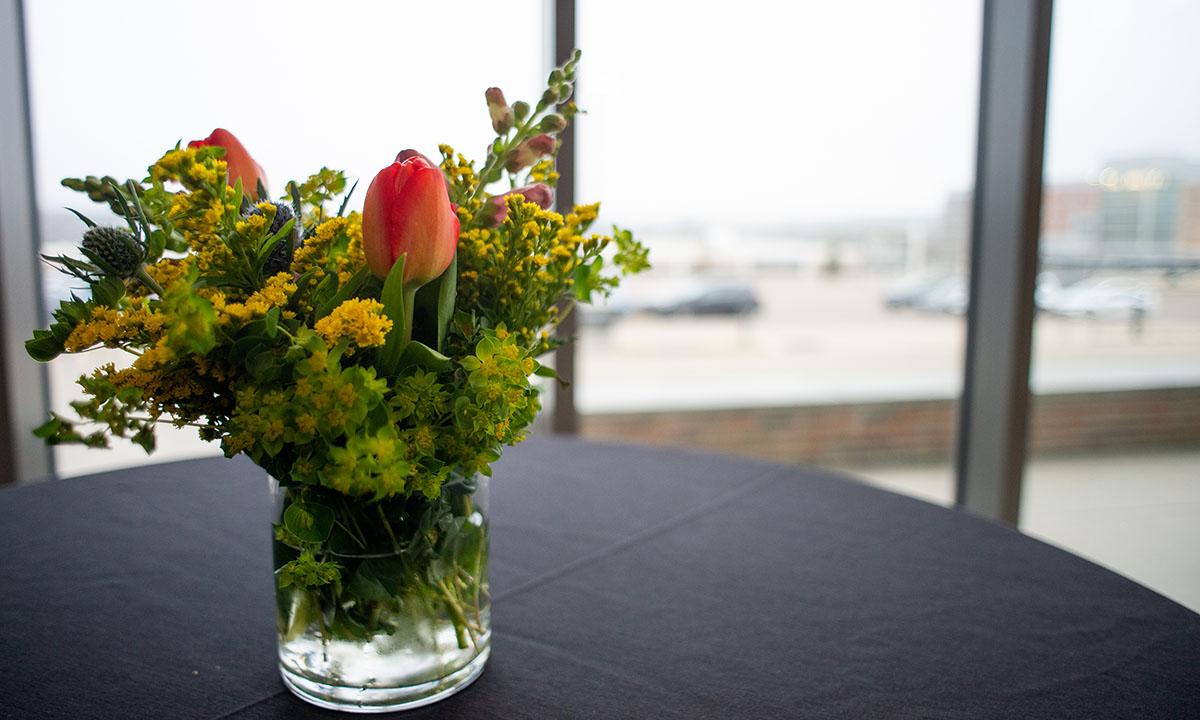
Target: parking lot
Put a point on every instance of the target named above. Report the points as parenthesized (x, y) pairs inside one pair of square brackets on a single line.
[(833, 339)]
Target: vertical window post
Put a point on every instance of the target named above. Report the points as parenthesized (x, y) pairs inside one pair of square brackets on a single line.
[(1004, 256), (24, 392), (566, 417)]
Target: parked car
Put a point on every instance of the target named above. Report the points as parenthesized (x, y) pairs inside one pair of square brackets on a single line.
[(1102, 297), (721, 300), (908, 292), (599, 316), (1048, 289), (948, 295)]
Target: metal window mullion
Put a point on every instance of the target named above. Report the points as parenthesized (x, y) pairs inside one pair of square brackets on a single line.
[(24, 390), (994, 412), (566, 417)]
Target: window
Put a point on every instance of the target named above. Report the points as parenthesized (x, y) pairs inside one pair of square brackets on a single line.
[(1116, 367), (801, 174)]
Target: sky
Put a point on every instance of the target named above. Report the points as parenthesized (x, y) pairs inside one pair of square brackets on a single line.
[(753, 111)]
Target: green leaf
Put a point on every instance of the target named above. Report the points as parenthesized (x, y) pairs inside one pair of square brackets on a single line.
[(141, 213), (126, 212), (156, 243), (423, 356), (545, 371), (294, 192), (48, 429), (269, 244), (366, 585), (487, 347), (271, 327), (193, 319), (86, 220), (396, 305), (108, 291), (587, 278), (43, 346), (344, 293), (447, 294), (346, 200), (434, 306), (309, 521)]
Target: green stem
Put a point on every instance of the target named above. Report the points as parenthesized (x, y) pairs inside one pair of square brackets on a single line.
[(410, 297), (144, 277), (458, 616), (388, 527), (354, 520), (494, 160), (355, 538)]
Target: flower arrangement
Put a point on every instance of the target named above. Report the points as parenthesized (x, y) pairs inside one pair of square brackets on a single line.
[(375, 364)]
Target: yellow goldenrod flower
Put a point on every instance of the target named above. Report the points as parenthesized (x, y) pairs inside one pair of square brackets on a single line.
[(359, 321)]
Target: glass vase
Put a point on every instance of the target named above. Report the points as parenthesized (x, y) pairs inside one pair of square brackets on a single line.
[(381, 605)]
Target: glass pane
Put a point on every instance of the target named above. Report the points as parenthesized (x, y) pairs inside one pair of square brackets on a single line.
[(1115, 470), (800, 172), (302, 84)]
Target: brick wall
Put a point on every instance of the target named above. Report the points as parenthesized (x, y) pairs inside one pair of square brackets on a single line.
[(911, 431)]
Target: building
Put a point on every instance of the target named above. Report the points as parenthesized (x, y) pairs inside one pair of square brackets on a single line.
[(1148, 206)]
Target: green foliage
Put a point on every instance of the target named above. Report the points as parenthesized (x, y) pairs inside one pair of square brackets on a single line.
[(309, 522), (383, 563), (192, 327), (397, 303), (120, 412), (45, 345), (319, 188), (307, 572)]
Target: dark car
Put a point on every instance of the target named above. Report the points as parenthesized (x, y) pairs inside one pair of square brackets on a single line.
[(730, 300)]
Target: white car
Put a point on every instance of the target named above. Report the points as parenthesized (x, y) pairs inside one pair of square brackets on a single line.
[(1102, 297), (945, 296)]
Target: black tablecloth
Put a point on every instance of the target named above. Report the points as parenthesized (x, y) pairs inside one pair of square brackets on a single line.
[(628, 583)]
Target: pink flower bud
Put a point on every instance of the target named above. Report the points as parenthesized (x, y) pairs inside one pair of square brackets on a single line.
[(408, 212), (537, 193), (240, 164), (495, 96), (528, 152), (541, 144), (501, 113)]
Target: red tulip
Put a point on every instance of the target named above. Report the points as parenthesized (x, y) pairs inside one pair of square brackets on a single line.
[(408, 212), (406, 154), (240, 164), (537, 193)]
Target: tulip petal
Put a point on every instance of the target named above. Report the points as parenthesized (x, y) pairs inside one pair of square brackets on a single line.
[(376, 242), (425, 225)]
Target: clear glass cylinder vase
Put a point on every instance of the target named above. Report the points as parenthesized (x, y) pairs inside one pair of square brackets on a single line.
[(381, 605)]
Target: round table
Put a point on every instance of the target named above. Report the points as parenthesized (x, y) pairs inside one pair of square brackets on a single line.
[(628, 582)]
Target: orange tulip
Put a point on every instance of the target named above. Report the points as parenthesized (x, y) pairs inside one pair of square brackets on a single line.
[(241, 165), (407, 212)]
